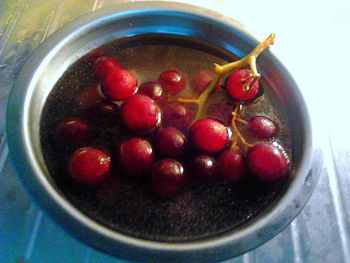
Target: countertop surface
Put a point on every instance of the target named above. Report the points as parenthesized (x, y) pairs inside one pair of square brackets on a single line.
[(313, 40)]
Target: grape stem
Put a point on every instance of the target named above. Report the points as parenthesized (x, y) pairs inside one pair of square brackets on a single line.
[(234, 144), (202, 98), (241, 120), (249, 59), (237, 132), (219, 71)]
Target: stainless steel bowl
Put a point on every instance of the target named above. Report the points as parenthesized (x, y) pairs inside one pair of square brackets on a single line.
[(54, 56)]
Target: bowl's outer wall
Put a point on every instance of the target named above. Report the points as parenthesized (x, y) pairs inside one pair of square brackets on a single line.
[(53, 57)]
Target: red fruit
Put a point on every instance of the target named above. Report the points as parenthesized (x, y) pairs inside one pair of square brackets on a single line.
[(267, 162), (209, 135), (204, 168), (172, 81), (73, 132), (236, 83), (171, 142), (262, 127), (136, 156), (119, 84), (103, 65), (201, 80), (232, 165), (87, 97), (104, 112), (178, 116), (140, 113), (167, 177), (153, 90), (89, 165)]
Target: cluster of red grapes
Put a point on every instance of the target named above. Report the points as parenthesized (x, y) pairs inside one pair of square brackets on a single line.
[(163, 140)]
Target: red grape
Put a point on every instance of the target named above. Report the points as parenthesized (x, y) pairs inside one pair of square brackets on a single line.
[(104, 112), (172, 81), (167, 177), (267, 162), (171, 142), (153, 90), (201, 80), (262, 127), (232, 165), (119, 84), (136, 156), (236, 82), (73, 132), (177, 115), (89, 165), (103, 65), (209, 135), (204, 168), (140, 113)]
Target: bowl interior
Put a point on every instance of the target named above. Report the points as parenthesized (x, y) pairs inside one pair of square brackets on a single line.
[(202, 210), (221, 37)]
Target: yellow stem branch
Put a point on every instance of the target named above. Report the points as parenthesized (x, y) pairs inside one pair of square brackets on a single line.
[(241, 121), (237, 132), (204, 96), (234, 143), (249, 59), (195, 101)]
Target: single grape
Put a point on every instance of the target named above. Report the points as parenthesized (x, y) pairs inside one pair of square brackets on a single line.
[(262, 127), (104, 112), (232, 165), (201, 80), (136, 156), (153, 90), (204, 168), (177, 115), (267, 162), (171, 142), (236, 85), (73, 132), (172, 81), (89, 165), (103, 65), (168, 177), (119, 84), (140, 113), (209, 136)]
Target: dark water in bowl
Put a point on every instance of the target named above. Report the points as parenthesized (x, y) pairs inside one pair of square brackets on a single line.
[(200, 211)]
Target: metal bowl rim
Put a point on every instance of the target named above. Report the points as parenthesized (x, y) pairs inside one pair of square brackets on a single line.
[(36, 182)]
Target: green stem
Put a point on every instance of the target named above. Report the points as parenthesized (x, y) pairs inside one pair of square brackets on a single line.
[(249, 59), (204, 96), (237, 132), (219, 71)]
